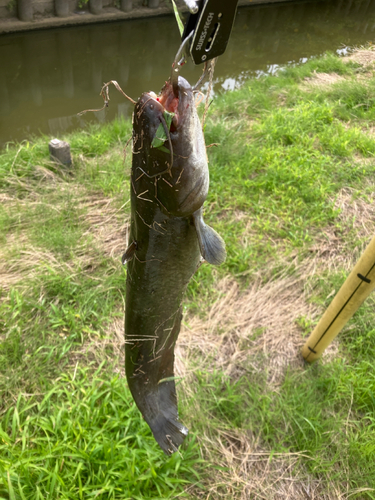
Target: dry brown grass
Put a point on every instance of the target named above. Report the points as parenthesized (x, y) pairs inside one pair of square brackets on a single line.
[(250, 472), (357, 210), (260, 323), (333, 249), (261, 335), (321, 80), (106, 234), (21, 261), (107, 224), (364, 57)]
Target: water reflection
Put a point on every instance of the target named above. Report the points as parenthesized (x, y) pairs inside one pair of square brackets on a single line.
[(49, 76), (64, 54)]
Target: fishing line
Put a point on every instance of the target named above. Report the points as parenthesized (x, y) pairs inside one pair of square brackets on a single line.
[(210, 83)]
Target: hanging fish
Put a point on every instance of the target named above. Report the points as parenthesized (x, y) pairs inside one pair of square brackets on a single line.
[(168, 237)]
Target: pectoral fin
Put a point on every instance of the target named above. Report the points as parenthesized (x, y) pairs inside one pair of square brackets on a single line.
[(211, 244)]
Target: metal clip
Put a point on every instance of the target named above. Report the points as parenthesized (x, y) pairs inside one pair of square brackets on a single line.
[(192, 6), (211, 27)]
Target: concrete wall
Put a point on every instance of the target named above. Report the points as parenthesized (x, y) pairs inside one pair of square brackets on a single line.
[(43, 7), (44, 13), (8, 8)]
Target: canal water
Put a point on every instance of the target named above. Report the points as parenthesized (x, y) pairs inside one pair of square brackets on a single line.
[(47, 77)]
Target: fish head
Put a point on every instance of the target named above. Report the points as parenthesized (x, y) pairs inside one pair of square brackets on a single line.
[(176, 108), (190, 166), (168, 144)]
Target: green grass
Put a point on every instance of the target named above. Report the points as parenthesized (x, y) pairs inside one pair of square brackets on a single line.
[(86, 439), (68, 426)]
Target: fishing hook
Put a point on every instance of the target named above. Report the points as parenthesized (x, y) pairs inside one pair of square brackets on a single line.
[(179, 60)]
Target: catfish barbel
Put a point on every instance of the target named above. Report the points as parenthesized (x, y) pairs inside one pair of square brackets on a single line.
[(169, 184)]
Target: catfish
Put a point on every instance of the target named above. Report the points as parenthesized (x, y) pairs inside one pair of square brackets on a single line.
[(168, 239)]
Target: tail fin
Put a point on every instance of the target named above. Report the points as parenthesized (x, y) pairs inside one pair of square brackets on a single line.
[(158, 404), (152, 384), (168, 432), (166, 428)]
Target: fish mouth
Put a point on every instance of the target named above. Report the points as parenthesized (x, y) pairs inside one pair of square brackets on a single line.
[(176, 99)]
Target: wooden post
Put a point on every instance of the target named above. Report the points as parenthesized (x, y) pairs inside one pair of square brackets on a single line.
[(356, 288)]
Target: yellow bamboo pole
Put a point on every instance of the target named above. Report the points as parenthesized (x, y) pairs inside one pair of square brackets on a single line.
[(356, 288)]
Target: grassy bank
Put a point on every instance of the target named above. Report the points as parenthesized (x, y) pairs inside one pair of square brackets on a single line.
[(291, 192)]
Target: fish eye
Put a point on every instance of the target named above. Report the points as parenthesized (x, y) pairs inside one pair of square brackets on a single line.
[(151, 106)]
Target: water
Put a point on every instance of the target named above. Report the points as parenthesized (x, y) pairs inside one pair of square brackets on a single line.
[(47, 77)]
